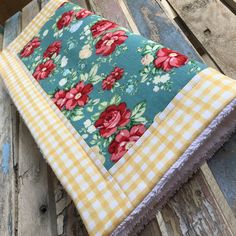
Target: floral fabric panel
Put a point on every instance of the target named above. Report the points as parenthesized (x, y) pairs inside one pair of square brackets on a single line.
[(107, 81)]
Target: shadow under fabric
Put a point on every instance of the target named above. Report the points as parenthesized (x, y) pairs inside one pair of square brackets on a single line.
[(123, 121)]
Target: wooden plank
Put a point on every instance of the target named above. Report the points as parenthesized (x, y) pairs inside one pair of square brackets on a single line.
[(107, 9), (7, 9), (36, 210), (1, 37), (194, 210), (171, 13), (153, 23), (214, 25), (223, 167), (231, 4), (151, 229), (8, 174)]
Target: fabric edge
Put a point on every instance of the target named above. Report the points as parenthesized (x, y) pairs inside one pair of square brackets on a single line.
[(221, 128)]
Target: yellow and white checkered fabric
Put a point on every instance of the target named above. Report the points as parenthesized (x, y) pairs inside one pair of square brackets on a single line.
[(105, 198)]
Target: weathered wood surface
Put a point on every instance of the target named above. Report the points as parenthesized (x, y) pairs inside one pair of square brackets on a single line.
[(214, 26), (9, 8), (8, 196), (231, 4), (223, 166), (194, 210)]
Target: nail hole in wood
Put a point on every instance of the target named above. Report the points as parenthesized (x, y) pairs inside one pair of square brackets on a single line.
[(198, 193), (207, 32), (43, 209)]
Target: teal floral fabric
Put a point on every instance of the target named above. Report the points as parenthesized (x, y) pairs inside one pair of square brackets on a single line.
[(108, 82)]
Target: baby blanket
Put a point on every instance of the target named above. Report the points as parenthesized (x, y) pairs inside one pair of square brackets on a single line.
[(122, 120)]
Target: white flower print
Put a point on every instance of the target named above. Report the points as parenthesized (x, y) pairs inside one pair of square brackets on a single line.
[(161, 79), (85, 52), (64, 61)]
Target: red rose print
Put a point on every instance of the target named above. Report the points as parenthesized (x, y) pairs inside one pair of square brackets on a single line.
[(29, 47), (113, 117), (60, 99), (101, 26), (78, 96), (82, 14), (107, 44), (124, 140), (117, 73), (43, 70), (109, 82), (55, 47), (167, 59), (65, 19)]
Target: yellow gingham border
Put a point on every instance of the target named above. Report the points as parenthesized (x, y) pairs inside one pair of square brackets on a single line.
[(188, 114), (100, 201), (104, 202)]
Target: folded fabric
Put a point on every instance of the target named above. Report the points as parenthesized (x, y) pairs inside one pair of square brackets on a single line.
[(122, 120)]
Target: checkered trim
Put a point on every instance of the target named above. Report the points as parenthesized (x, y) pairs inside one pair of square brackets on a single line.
[(188, 114)]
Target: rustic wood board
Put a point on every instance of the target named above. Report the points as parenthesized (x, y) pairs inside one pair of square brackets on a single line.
[(154, 24), (231, 4), (223, 166), (8, 8), (8, 196), (215, 27)]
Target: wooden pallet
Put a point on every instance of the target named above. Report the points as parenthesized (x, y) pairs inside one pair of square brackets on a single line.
[(32, 201)]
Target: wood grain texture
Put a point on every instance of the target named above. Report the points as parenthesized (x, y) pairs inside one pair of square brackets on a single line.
[(231, 4), (153, 23), (215, 27), (35, 216), (223, 167), (110, 10), (194, 211), (8, 196), (9, 8)]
